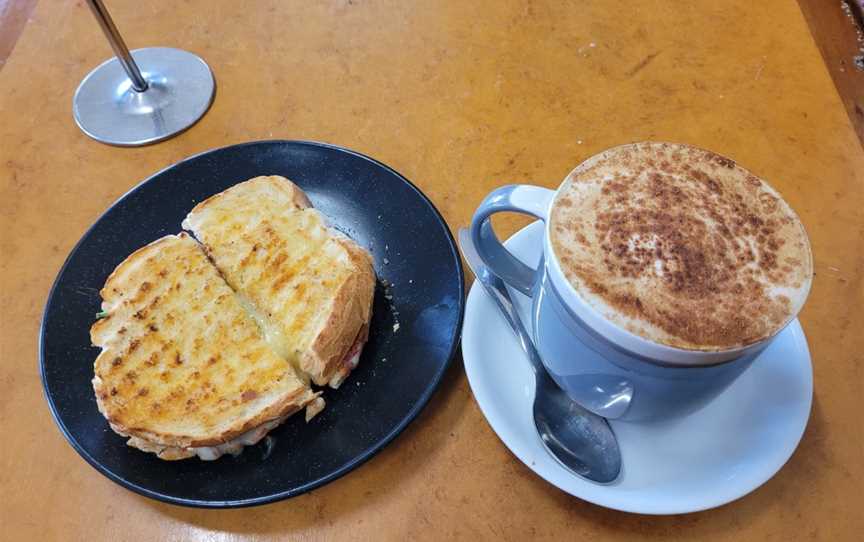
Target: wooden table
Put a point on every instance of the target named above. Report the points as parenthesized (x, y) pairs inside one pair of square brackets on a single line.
[(838, 40), (460, 97)]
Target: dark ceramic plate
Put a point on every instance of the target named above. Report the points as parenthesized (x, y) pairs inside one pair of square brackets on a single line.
[(398, 371)]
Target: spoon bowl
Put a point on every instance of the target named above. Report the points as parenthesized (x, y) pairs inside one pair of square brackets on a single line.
[(581, 441)]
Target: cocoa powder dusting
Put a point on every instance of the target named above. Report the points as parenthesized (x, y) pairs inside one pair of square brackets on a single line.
[(685, 241)]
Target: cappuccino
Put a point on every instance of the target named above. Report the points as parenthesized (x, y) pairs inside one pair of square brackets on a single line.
[(681, 246)]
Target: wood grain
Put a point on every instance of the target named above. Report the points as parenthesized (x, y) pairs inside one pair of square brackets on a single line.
[(460, 97), (13, 17), (835, 33), (831, 28)]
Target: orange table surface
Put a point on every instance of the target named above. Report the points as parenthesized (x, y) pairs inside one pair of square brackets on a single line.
[(459, 97)]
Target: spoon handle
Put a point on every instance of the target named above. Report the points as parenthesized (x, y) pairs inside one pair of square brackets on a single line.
[(498, 291)]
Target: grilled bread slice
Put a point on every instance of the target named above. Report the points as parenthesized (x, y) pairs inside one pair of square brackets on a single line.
[(184, 370), (309, 286)]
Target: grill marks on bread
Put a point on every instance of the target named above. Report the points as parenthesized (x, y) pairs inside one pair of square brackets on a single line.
[(181, 362), (194, 365), (310, 287)]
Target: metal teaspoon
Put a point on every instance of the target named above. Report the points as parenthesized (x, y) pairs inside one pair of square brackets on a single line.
[(581, 441)]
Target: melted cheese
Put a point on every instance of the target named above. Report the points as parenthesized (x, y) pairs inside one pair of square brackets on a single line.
[(180, 357)]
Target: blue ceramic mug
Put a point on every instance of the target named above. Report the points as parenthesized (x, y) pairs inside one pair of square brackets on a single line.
[(604, 367)]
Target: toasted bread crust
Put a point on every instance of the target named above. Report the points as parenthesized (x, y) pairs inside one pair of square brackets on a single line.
[(157, 380), (170, 315), (350, 314), (281, 187), (248, 232), (285, 407)]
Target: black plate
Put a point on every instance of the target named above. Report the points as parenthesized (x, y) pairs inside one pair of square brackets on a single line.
[(398, 371)]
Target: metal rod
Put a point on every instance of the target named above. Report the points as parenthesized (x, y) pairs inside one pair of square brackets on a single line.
[(117, 43)]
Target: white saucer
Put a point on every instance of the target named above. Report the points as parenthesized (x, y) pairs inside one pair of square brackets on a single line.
[(710, 458)]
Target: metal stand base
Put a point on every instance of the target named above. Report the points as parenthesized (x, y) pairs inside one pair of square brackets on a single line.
[(180, 90)]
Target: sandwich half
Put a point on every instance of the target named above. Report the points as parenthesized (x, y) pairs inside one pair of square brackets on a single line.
[(184, 369), (309, 287)]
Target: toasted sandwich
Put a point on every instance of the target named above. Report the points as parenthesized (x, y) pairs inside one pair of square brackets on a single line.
[(184, 369), (309, 287)]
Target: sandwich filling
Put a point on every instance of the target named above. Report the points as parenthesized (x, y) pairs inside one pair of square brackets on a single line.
[(234, 446)]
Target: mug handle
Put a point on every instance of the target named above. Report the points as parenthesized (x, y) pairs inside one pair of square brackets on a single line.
[(605, 395), (519, 198)]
